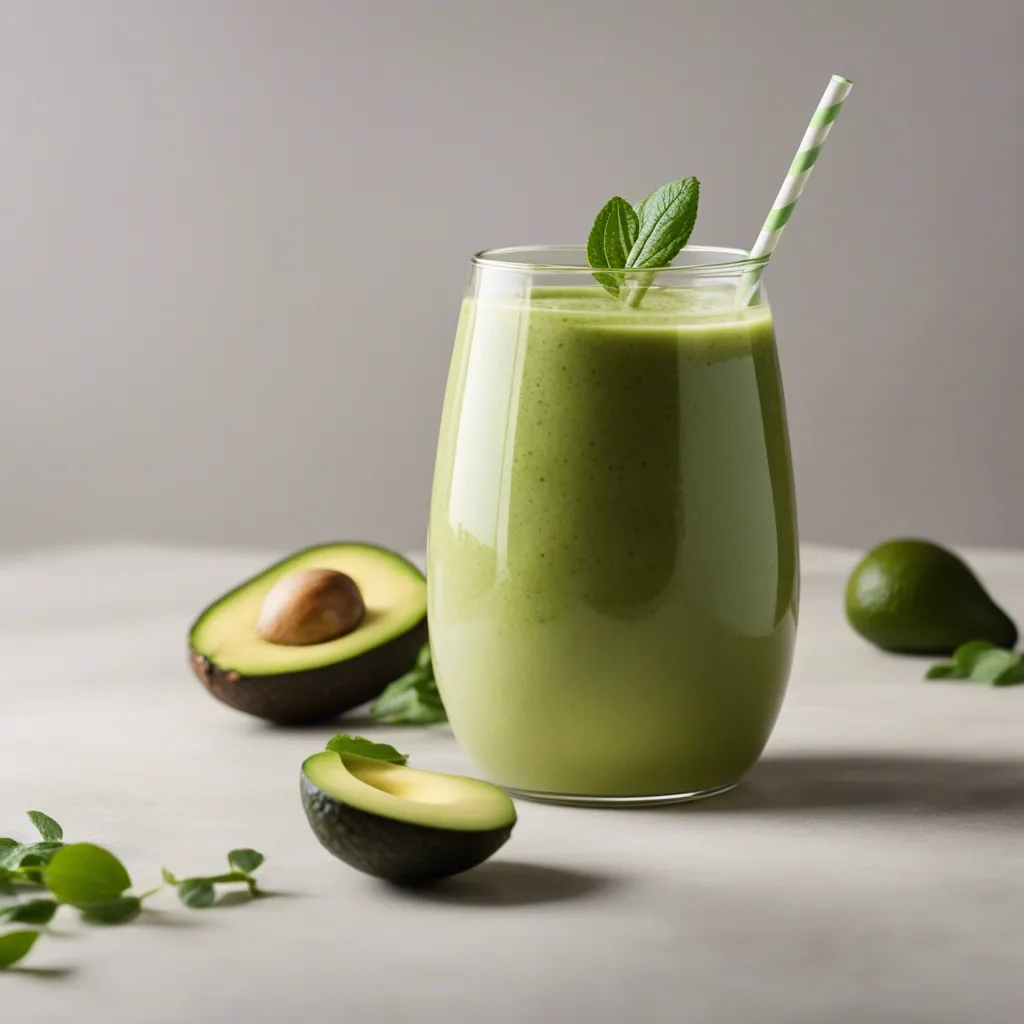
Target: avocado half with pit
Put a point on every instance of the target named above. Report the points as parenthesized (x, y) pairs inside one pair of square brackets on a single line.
[(402, 824), (299, 682)]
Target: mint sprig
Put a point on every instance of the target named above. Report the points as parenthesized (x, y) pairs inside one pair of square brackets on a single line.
[(982, 662), (47, 828), (650, 235), (200, 891), (90, 879), (413, 699)]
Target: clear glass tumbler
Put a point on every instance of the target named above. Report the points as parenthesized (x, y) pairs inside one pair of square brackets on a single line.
[(612, 558)]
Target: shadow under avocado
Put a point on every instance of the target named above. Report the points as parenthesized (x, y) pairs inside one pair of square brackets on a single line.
[(924, 784), (509, 883)]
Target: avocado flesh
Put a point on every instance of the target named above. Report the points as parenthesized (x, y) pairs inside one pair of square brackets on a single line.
[(315, 682), (393, 590), (402, 824), (914, 597)]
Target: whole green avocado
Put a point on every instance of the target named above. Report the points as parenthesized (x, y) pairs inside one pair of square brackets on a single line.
[(915, 597)]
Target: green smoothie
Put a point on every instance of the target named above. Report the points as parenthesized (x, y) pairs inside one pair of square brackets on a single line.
[(613, 568)]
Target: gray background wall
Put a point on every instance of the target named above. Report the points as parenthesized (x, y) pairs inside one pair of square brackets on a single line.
[(233, 237)]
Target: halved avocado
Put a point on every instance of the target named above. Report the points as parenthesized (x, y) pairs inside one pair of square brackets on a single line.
[(294, 685), (402, 824)]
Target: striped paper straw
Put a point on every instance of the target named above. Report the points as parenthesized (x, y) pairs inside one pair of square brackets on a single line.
[(799, 171)]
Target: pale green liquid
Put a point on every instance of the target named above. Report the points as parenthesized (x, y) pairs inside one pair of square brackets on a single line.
[(613, 567)]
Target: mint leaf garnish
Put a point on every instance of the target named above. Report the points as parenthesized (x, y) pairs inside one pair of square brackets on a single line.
[(15, 945), (982, 662), (246, 861), (200, 892), (47, 828), (967, 655), (611, 240), (85, 873), (30, 912), (412, 699), (990, 665), (116, 911), (650, 236), (28, 855), (345, 744), (667, 217), (197, 893), (10, 854)]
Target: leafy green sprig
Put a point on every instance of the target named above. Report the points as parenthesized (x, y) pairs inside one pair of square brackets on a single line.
[(982, 662), (412, 699), (201, 891), (650, 235), (45, 875)]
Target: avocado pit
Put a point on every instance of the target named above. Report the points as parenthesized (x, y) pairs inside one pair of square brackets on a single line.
[(310, 606)]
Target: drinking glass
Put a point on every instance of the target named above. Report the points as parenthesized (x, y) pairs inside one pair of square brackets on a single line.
[(612, 554)]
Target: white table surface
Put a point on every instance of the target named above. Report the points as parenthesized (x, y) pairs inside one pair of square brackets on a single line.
[(871, 869)]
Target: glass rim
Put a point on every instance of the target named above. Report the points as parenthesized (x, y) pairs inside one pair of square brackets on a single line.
[(733, 260)]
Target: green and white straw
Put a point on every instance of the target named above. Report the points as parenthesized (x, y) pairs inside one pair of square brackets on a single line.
[(799, 171)]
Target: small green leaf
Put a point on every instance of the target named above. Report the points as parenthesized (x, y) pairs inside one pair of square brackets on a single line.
[(5, 843), (28, 855), (982, 662), (423, 659), (10, 855), (667, 217), (41, 853), (345, 744), (947, 670), (168, 877), (245, 860), (412, 699), (84, 873), (990, 665), (611, 239), (31, 912), (15, 945), (966, 655), (117, 911), (46, 827), (416, 706), (197, 893)]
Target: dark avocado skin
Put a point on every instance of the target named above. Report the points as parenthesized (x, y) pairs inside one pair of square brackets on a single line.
[(914, 597), (313, 695), (395, 850)]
